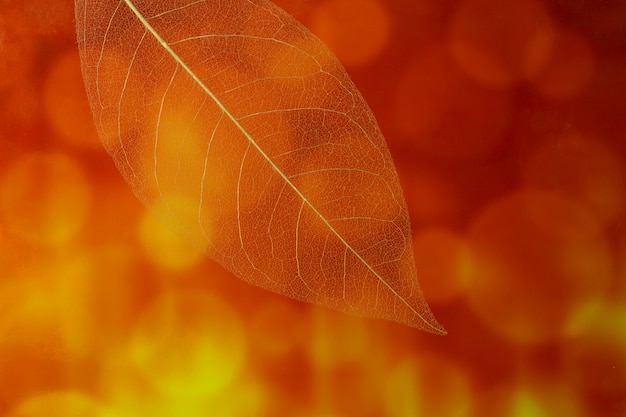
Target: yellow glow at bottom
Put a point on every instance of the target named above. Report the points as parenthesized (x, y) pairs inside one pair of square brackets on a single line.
[(49, 299), (189, 345), (61, 404), (544, 398), (525, 405), (535, 397), (245, 399), (431, 386), (249, 399)]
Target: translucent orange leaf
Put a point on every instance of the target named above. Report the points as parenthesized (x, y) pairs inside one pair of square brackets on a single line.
[(247, 133)]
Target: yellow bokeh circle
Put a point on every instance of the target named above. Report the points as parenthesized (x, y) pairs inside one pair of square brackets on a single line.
[(428, 386), (189, 345), (61, 404), (162, 234)]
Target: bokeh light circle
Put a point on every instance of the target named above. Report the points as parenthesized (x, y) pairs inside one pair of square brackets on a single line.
[(190, 345), (500, 43), (569, 68), (45, 198), (431, 92), (336, 339), (541, 397), (65, 102), (164, 245), (444, 264), (427, 386), (539, 259), (357, 31), (583, 169), (61, 404)]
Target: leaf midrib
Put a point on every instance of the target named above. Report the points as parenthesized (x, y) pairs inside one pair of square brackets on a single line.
[(234, 120)]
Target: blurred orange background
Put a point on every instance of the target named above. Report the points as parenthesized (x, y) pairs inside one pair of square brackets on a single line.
[(505, 120)]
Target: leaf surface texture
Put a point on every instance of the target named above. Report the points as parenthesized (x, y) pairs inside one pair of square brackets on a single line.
[(244, 132)]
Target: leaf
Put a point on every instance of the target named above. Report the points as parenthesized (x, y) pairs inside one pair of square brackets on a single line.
[(246, 134)]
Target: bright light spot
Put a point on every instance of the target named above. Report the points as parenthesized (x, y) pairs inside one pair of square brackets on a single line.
[(189, 345), (61, 404), (430, 386)]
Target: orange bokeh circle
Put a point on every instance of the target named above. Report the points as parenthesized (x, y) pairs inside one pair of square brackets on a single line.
[(569, 69), (357, 31), (445, 113), (45, 198), (65, 102), (540, 259), (444, 264), (500, 43)]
